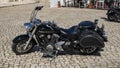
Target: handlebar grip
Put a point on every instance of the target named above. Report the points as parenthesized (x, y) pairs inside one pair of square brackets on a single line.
[(39, 8)]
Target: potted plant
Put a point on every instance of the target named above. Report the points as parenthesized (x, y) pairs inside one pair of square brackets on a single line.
[(59, 5), (91, 4)]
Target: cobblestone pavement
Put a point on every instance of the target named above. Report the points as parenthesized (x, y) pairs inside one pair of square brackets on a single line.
[(11, 25)]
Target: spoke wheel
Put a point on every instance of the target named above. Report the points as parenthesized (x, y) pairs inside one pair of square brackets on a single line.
[(111, 17), (88, 50), (18, 48), (21, 45)]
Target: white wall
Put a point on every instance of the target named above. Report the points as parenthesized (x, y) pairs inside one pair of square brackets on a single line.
[(62, 2), (53, 3)]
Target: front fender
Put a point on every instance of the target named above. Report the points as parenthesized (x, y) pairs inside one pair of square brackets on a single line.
[(22, 37), (108, 11), (19, 38)]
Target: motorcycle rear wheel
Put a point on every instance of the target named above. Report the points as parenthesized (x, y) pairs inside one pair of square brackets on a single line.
[(89, 50), (18, 48), (111, 17)]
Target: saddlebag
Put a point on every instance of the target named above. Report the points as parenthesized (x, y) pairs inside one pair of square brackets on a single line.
[(91, 38)]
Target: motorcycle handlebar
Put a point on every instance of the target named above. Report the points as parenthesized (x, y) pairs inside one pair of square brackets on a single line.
[(34, 13)]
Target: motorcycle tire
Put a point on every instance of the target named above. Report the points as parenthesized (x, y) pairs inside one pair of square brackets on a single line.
[(18, 48), (84, 51), (111, 17)]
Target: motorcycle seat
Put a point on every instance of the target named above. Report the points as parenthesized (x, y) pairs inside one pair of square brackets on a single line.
[(86, 25), (71, 30)]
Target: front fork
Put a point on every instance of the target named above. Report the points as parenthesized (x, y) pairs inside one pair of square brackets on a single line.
[(30, 38)]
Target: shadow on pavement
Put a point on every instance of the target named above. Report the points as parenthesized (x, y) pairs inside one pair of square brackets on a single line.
[(78, 53), (37, 48), (105, 19)]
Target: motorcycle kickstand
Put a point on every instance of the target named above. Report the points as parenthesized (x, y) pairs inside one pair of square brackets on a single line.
[(54, 56)]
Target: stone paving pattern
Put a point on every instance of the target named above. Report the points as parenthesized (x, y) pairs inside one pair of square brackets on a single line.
[(11, 25)]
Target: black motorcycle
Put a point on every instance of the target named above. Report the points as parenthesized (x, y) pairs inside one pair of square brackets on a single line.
[(113, 14), (85, 37)]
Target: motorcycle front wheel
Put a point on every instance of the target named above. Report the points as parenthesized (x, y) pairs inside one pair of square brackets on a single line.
[(18, 47), (88, 50), (112, 17)]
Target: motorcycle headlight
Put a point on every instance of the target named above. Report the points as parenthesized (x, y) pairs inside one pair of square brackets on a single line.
[(28, 26)]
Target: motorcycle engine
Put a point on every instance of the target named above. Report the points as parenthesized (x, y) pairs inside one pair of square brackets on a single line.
[(54, 43)]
